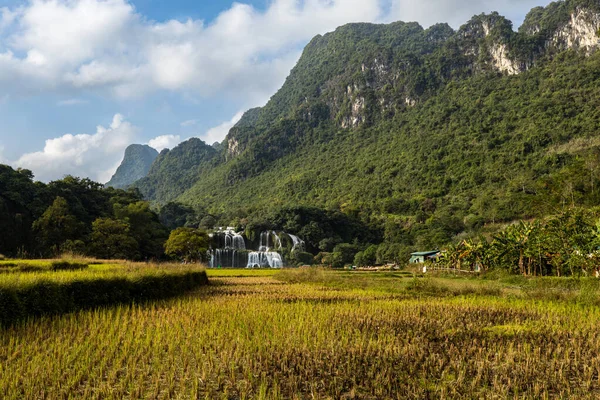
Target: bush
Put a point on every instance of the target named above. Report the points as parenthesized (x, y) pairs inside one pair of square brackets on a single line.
[(67, 266), (55, 266), (21, 267), (302, 258)]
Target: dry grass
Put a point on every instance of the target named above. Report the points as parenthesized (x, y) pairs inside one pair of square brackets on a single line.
[(257, 337)]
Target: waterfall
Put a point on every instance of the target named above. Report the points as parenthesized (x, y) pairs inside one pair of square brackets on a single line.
[(298, 243), (264, 242), (234, 240), (229, 249), (277, 241), (262, 259)]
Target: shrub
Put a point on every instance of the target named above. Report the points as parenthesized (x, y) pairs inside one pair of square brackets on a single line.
[(21, 267), (67, 266)]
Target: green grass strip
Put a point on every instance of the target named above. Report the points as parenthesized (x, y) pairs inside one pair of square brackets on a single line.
[(52, 293)]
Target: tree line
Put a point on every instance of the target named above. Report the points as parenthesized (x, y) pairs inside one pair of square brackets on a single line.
[(77, 216), (81, 216)]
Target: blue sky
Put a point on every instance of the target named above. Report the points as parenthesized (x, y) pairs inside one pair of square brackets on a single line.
[(82, 79)]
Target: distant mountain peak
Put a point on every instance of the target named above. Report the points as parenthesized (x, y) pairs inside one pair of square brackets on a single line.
[(135, 165), (176, 170)]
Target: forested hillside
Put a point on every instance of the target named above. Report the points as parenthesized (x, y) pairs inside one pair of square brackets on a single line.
[(174, 171), (420, 134)]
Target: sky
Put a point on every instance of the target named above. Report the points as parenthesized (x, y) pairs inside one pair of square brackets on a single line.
[(80, 80)]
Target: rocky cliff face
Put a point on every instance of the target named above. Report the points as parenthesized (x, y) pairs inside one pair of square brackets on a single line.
[(243, 127), (136, 164), (582, 31), (486, 42)]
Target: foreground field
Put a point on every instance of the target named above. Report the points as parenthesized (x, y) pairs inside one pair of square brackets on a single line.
[(325, 336)]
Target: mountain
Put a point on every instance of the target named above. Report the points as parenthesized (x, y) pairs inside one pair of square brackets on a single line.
[(174, 171), (423, 133), (135, 165)]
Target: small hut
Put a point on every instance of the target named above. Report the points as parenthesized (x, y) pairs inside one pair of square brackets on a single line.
[(421, 256)]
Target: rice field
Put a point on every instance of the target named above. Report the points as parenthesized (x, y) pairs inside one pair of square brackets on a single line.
[(316, 335)]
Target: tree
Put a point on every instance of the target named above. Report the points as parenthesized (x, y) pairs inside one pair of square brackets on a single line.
[(208, 222), (144, 227), (370, 255), (366, 258), (514, 243), (56, 226), (343, 254), (175, 215), (187, 244), (112, 239), (359, 259), (570, 238)]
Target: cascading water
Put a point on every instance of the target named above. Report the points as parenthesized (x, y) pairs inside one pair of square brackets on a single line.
[(277, 241), (298, 243), (229, 249), (264, 259), (264, 242)]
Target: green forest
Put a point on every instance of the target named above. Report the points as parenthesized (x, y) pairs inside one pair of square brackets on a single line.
[(77, 216)]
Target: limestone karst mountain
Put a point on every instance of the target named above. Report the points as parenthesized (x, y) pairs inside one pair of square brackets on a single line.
[(135, 165), (405, 125)]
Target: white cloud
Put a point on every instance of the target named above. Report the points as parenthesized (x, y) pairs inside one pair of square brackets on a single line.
[(188, 123), (218, 133), (71, 102), (95, 156), (106, 45), (67, 33), (2, 159), (165, 142)]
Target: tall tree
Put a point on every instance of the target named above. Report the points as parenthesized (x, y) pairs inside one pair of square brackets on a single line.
[(56, 226), (187, 244), (112, 239), (144, 227)]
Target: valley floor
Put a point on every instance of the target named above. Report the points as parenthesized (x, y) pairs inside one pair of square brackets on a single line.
[(319, 335)]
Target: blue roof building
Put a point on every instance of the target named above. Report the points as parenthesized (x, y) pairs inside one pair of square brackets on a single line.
[(422, 256)]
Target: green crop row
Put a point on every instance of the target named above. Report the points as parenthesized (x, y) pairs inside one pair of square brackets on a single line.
[(53, 266), (36, 294)]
